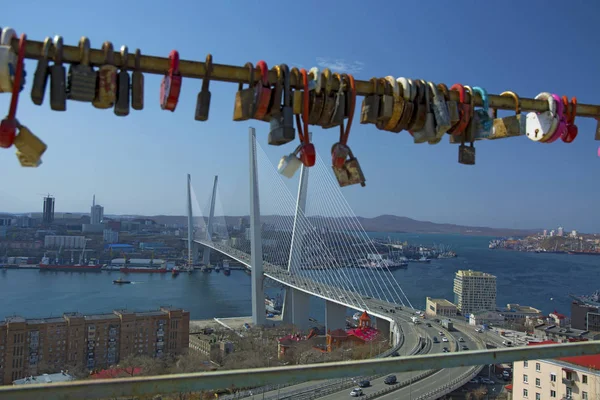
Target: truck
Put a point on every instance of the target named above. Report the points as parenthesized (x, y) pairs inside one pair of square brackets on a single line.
[(414, 320)]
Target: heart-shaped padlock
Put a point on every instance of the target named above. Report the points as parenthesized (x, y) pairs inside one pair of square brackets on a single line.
[(561, 127)]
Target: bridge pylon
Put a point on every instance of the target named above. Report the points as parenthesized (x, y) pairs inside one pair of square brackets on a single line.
[(209, 225)]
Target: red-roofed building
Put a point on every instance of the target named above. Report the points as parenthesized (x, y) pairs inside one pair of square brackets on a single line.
[(574, 378), (560, 319), (116, 373), (362, 334)]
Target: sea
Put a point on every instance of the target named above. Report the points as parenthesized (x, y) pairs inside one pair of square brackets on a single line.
[(543, 281)]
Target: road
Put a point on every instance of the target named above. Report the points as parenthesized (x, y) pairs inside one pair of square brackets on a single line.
[(423, 386)]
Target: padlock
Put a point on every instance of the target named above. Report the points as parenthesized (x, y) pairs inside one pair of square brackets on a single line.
[(203, 100), (170, 86), (288, 165), (421, 107), (262, 93), (450, 104), (351, 173), (428, 131), (82, 79), (316, 99), (466, 154), (276, 93), (485, 123), (307, 153), (58, 93), (464, 110), (510, 126), (329, 99), (8, 126), (137, 84), (561, 126), (106, 89), (369, 111), (571, 127), (29, 147), (541, 126), (244, 98), (386, 106), (123, 84), (339, 154), (391, 123), (40, 77), (8, 60), (440, 111), (407, 95), (339, 111), (298, 98), (282, 124)]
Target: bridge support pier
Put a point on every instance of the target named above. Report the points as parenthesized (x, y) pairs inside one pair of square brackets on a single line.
[(295, 308), (335, 316), (384, 328)]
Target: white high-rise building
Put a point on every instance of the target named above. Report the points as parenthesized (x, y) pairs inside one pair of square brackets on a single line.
[(573, 233), (560, 231), (97, 213), (545, 233), (474, 291)]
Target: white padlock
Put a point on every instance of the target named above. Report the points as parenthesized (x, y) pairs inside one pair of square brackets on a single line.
[(8, 60), (288, 165), (540, 127)]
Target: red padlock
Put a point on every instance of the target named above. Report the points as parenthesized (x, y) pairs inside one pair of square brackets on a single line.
[(262, 92), (8, 126), (308, 154), (464, 110), (170, 86), (340, 150), (572, 129)]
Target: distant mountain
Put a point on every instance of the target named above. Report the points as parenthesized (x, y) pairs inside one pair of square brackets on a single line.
[(384, 223)]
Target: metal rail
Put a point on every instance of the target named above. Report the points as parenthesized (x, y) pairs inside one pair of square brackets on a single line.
[(195, 382), (232, 73)]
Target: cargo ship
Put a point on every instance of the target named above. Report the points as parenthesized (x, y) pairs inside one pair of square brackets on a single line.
[(143, 270), (45, 265), (592, 299)]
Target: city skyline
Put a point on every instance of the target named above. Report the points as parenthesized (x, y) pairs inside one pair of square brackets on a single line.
[(139, 162)]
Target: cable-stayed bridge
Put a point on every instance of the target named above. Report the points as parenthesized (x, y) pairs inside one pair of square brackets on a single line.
[(309, 241)]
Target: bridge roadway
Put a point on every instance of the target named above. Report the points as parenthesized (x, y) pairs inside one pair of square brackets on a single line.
[(376, 307)]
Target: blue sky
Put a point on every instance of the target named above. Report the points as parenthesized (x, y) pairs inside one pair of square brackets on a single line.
[(138, 164)]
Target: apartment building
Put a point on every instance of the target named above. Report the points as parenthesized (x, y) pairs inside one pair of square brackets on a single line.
[(474, 291), (34, 346), (569, 378)]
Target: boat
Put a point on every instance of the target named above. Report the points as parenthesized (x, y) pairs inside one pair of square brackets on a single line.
[(226, 270), (46, 265), (121, 281), (143, 270), (423, 259), (592, 299), (584, 253), (217, 268), (175, 271)]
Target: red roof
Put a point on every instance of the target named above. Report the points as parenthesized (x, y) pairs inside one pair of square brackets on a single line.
[(116, 373), (365, 317), (293, 338), (591, 361), (508, 387), (366, 334)]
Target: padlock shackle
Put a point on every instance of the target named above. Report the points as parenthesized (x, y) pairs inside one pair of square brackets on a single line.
[(444, 89), (250, 67), (551, 102), (264, 72), (84, 50), (395, 87), (461, 91), (328, 81), (287, 86), (484, 97), (16, 89), (375, 83), (174, 62), (46, 48), (573, 112), (58, 49), (316, 78), (303, 128), (208, 67), (8, 34), (137, 57), (516, 98), (124, 58), (109, 53), (346, 134), (472, 95)]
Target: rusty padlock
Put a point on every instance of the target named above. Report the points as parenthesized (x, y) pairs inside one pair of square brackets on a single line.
[(106, 90), (244, 98), (386, 107), (308, 154), (123, 84), (510, 126), (137, 84), (351, 173), (82, 79), (329, 99), (316, 98), (203, 100), (466, 154), (282, 123), (40, 77), (369, 112), (170, 86), (451, 104), (29, 147), (262, 93), (339, 111)]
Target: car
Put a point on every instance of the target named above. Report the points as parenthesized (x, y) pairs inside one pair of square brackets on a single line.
[(445, 350), (395, 354), (390, 380), (460, 339), (488, 381), (478, 330), (428, 325), (435, 339), (367, 298), (398, 308), (364, 383), (436, 320), (507, 343), (444, 339), (441, 333), (356, 392), (465, 348)]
